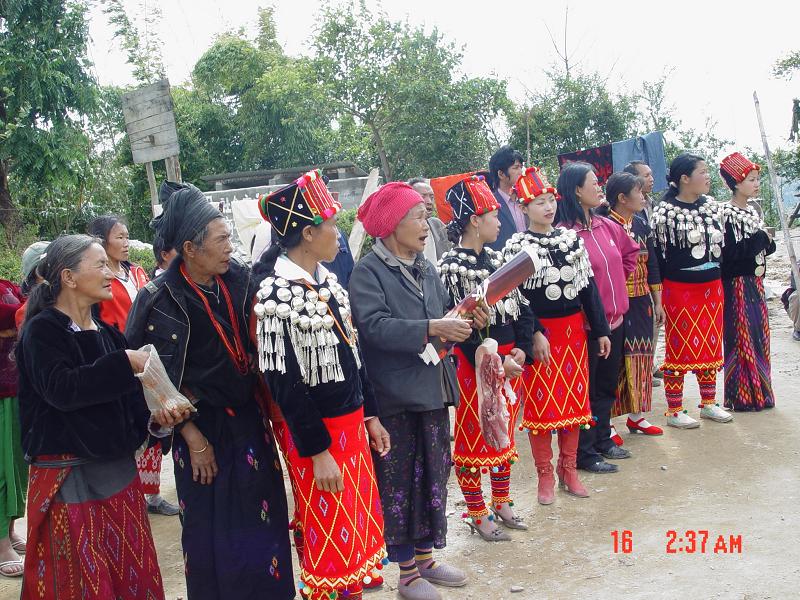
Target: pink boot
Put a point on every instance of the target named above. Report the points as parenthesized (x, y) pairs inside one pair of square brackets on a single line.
[(541, 446), (568, 479)]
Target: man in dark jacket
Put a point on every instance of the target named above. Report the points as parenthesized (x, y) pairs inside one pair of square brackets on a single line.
[(505, 167), (197, 316)]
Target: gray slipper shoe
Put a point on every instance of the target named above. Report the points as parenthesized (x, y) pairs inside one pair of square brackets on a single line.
[(444, 574), (418, 589)]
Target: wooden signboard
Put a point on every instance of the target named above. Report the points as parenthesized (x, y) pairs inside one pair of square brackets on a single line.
[(150, 122)]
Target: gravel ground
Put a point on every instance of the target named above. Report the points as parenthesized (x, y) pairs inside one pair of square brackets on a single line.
[(737, 480)]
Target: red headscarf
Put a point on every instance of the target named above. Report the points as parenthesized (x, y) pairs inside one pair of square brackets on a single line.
[(386, 207)]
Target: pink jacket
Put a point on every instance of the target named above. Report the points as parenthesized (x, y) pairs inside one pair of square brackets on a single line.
[(613, 255)]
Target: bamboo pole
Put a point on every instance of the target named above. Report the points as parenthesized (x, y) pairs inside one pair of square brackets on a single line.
[(151, 182), (776, 192)]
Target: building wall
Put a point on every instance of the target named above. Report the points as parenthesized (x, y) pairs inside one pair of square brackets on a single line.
[(350, 191)]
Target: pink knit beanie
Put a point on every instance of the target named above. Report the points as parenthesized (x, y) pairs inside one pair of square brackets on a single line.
[(386, 207)]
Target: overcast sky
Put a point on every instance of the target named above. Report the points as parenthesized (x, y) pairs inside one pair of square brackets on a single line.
[(720, 51)]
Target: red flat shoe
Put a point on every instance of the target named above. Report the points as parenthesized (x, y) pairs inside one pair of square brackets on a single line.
[(375, 584), (616, 438), (633, 427)]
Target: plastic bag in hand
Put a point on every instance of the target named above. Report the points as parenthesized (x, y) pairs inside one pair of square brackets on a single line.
[(492, 405), (158, 389)]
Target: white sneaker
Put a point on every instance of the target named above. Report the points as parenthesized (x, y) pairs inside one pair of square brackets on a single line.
[(715, 413), (683, 421)]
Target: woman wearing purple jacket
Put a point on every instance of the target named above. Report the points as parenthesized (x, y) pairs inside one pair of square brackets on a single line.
[(613, 256)]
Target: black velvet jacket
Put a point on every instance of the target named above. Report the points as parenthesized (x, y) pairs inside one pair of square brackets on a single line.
[(77, 391), (739, 258), (160, 316)]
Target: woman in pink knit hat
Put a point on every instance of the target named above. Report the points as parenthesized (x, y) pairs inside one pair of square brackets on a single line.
[(398, 304)]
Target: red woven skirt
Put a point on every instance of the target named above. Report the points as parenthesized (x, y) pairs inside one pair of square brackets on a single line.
[(149, 466), (557, 395), (93, 550), (693, 329), (343, 532), (470, 449)]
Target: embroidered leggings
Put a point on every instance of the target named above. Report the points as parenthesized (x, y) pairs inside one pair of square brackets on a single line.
[(473, 494), (673, 388)]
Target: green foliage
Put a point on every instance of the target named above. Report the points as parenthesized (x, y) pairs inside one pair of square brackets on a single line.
[(144, 57), (573, 112), (786, 66), (345, 220), (11, 252), (375, 91), (399, 85), (10, 264), (144, 258), (46, 97), (273, 114)]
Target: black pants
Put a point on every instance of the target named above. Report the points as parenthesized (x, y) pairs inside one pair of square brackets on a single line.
[(603, 376)]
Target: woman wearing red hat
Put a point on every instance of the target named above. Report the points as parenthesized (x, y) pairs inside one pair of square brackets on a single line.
[(398, 304), (556, 388), (309, 353), (748, 383), (511, 325)]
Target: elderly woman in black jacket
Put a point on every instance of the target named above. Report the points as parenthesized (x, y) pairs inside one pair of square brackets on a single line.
[(398, 304), (83, 416), (230, 486)]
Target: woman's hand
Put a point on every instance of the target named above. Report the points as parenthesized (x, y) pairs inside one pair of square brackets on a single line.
[(480, 316), (169, 417), (518, 355), (378, 437), (201, 454), (658, 314), (605, 346), (541, 348), (327, 473), (138, 359), (511, 367), (450, 329)]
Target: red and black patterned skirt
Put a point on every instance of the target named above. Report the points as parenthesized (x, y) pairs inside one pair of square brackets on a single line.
[(343, 533), (470, 448), (693, 329), (557, 395), (93, 550)]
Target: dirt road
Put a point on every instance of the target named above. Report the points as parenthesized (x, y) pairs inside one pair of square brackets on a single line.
[(737, 480)]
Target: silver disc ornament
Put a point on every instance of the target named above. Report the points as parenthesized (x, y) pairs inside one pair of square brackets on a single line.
[(552, 292)]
